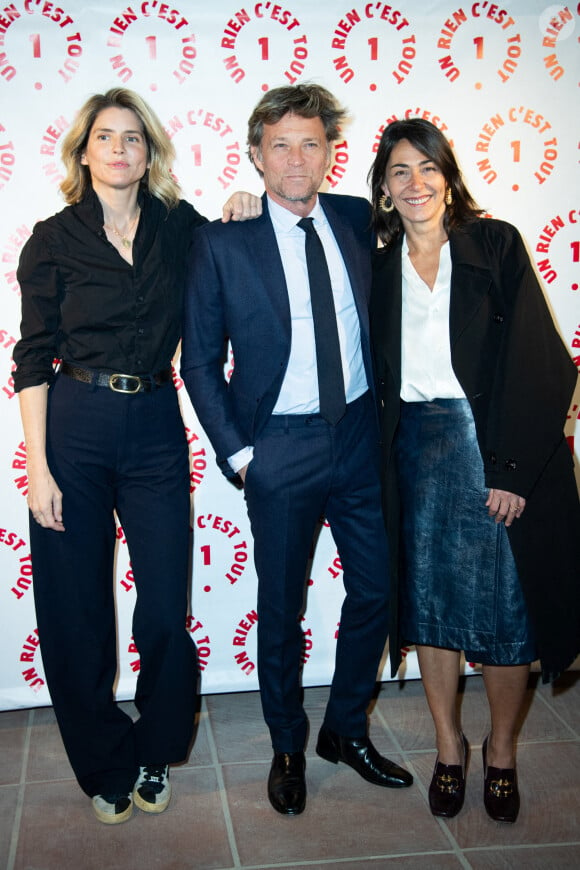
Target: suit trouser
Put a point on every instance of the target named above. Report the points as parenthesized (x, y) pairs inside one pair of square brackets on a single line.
[(303, 468), (128, 453)]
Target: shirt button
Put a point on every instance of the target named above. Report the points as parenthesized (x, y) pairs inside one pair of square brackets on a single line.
[(511, 464), (140, 331)]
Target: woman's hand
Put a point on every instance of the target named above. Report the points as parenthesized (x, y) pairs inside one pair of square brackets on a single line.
[(45, 500), (505, 506), (241, 206), (44, 496)]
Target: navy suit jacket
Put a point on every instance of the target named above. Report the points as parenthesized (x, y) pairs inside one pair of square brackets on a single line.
[(236, 289)]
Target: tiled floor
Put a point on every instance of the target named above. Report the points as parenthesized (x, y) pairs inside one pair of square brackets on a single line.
[(220, 816)]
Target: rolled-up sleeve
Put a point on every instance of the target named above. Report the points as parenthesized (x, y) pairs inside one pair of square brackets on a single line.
[(40, 286)]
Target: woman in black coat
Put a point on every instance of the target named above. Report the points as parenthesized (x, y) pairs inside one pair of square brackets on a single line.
[(479, 494)]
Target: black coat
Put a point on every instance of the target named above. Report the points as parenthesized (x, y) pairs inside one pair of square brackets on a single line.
[(519, 380)]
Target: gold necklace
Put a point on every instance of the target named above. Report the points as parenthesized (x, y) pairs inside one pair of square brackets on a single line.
[(126, 241)]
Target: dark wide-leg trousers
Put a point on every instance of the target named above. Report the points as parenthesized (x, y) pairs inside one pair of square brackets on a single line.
[(303, 469), (128, 453)]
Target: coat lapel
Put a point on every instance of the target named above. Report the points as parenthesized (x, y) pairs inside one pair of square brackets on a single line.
[(386, 306), (471, 280)]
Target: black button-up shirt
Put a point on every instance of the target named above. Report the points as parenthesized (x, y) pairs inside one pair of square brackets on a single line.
[(83, 303)]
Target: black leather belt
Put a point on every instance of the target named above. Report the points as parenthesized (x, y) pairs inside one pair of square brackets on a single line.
[(117, 382)]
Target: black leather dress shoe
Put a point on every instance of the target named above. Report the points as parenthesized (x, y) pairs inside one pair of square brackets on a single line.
[(447, 789), (501, 797), (362, 756), (286, 783)]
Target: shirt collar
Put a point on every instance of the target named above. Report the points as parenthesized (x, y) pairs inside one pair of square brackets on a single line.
[(443, 279), (91, 210), (285, 221)]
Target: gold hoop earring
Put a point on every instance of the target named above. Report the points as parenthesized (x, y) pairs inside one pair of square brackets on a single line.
[(448, 196), (386, 204)]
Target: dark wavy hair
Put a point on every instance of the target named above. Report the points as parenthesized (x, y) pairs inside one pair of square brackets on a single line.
[(305, 100), (431, 142)]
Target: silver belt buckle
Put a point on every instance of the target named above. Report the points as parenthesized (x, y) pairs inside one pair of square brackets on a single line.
[(133, 378)]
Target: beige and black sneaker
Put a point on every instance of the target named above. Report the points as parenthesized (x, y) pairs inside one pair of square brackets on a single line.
[(112, 809), (152, 791)]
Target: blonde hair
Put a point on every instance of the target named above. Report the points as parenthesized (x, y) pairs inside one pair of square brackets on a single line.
[(160, 151)]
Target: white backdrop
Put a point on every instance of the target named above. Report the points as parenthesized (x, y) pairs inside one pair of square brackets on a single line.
[(502, 83)]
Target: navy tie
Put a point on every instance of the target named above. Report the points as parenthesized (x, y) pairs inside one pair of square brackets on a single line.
[(328, 360)]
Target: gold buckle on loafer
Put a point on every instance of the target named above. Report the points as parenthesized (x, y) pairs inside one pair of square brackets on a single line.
[(124, 389)]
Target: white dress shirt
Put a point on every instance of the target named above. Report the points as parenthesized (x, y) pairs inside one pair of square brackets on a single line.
[(426, 370), (299, 390)]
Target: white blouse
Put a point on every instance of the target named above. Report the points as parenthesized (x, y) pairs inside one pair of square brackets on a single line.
[(426, 370)]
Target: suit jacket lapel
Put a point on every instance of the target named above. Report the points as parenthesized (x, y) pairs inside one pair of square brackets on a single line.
[(351, 254), (358, 266), (263, 251)]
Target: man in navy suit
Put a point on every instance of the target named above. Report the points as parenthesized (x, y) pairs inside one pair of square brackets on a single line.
[(270, 426)]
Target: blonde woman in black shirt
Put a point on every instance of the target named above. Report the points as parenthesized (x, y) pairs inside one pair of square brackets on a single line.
[(102, 292)]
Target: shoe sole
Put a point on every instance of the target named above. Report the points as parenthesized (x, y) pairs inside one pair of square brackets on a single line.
[(295, 812), (150, 808), (115, 819)]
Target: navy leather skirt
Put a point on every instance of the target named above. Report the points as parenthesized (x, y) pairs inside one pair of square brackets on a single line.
[(459, 585)]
